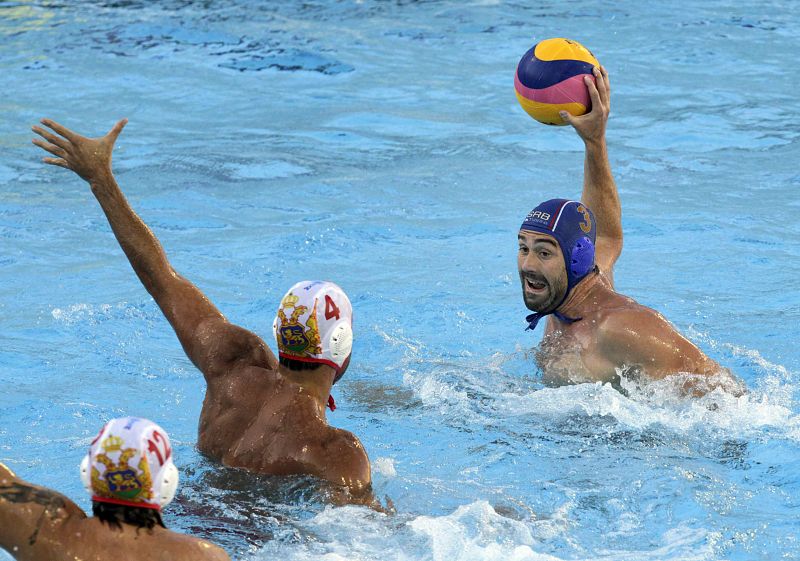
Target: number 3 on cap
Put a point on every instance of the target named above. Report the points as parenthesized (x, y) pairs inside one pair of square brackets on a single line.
[(331, 311)]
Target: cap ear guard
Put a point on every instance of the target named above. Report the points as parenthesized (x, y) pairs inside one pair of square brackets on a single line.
[(582, 258), (169, 484), (86, 476), (340, 341)]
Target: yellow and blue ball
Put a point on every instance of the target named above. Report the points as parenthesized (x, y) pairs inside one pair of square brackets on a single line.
[(549, 79)]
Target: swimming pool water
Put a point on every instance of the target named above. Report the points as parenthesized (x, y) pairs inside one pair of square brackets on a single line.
[(380, 145)]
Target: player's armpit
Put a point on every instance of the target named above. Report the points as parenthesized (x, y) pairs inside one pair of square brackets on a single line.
[(607, 251)]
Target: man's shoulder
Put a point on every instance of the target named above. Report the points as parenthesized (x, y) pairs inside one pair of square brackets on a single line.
[(34, 518), (624, 307), (213, 552), (224, 347), (156, 543), (243, 379), (15, 491), (342, 440), (347, 456), (190, 547), (622, 315)]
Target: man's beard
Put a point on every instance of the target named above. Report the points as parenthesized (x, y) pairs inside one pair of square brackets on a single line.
[(556, 291)]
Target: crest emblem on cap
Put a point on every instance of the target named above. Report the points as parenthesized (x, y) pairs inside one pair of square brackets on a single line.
[(121, 481), (293, 336)]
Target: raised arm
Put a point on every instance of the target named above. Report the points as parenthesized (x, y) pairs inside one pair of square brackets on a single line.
[(599, 188), (211, 342)]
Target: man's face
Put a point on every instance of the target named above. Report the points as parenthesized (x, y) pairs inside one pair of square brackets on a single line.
[(541, 271)]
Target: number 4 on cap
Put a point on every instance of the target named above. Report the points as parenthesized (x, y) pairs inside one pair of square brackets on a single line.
[(331, 311)]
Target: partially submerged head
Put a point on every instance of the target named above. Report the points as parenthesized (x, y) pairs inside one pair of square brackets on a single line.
[(129, 472), (556, 251), (314, 326)]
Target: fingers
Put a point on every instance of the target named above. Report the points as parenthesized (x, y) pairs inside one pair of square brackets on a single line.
[(56, 162), (594, 93), (116, 129), (604, 73), (51, 138), (63, 131), (601, 78), (567, 117), (54, 150)]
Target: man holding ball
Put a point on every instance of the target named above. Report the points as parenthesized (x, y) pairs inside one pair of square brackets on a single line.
[(567, 252)]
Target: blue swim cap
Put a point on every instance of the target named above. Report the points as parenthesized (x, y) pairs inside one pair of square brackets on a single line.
[(573, 226)]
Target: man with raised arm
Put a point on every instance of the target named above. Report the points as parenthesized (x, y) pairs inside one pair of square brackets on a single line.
[(259, 413), (567, 252), (130, 475)]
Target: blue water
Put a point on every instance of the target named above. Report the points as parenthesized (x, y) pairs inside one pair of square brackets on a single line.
[(380, 145)]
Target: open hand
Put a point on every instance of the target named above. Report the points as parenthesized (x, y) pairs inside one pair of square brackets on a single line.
[(592, 126), (90, 158)]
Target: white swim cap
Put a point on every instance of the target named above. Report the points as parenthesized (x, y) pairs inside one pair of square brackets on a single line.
[(130, 463), (315, 324)]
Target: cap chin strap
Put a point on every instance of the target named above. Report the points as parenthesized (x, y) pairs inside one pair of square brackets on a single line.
[(533, 319)]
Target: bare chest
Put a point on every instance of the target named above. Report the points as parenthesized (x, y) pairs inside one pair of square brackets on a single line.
[(568, 354)]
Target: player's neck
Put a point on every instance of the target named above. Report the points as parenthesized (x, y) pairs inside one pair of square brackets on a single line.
[(317, 382), (126, 528), (580, 297)]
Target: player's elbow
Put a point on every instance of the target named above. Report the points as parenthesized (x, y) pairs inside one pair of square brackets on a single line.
[(6, 475)]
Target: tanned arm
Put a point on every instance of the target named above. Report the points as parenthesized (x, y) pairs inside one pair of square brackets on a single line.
[(599, 188), (211, 342), (27, 512)]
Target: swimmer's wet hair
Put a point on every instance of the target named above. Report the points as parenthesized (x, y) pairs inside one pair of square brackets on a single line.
[(115, 515), (298, 365)]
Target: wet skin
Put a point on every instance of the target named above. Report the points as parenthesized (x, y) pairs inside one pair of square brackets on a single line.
[(38, 524), (615, 333), (256, 414)]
